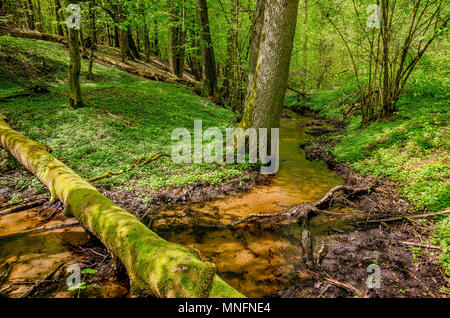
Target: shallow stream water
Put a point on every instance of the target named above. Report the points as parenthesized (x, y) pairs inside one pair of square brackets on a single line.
[(259, 261)]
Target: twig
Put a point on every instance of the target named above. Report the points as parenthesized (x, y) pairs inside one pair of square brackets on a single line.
[(358, 292), (23, 207), (106, 111), (49, 228), (434, 247), (400, 218), (139, 163)]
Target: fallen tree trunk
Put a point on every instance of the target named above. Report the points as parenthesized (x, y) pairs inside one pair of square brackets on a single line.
[(33, 35), (155, 267)]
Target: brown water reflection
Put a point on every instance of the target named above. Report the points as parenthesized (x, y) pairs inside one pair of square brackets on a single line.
[(258, 261)]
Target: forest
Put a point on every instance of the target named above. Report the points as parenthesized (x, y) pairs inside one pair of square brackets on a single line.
[(224, 149)]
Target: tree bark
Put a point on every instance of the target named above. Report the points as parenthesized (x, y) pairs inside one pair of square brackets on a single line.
[(208, 58), (267, 86), (74, 69), (146, 44), (58, 20), (176, 40), (30, 15), (93, 40), (155, 267), (255, 42)]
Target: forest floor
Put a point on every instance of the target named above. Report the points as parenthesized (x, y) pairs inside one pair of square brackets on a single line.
[(91, 142), (411, 153)]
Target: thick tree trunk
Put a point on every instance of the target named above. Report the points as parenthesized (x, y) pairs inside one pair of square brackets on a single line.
[(155, 267), (134, 53), (267, 86), (208, 57), (255, 43)]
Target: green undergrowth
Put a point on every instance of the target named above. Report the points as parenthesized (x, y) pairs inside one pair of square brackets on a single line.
[(90, 141), (412, 149)]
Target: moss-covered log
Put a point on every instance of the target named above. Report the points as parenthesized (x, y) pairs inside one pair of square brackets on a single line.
[(155, 267)]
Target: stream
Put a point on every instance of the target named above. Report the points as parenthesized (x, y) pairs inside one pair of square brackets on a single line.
[(257, 260)]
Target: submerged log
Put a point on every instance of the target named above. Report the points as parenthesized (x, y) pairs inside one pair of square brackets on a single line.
[(155, 267)]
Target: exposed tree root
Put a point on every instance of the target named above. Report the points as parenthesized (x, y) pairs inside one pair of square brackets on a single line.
[(139, 163), (304, 211)]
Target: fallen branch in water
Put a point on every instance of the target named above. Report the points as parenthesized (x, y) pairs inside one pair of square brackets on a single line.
[(332, 281), (30, 291), (303, 211), (139, 163), (49, 228), (26, 206)]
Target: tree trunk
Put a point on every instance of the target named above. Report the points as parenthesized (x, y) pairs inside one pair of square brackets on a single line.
[(305, 48), (40, 26), (155, 267), (268, 83), (176, 40), (133, 51), (156, 40), (30, 15), (146, 44), (108, 35), (74, 69), (116, 36), (255, 42), (58, 20), (93, 40), (208, 58)]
